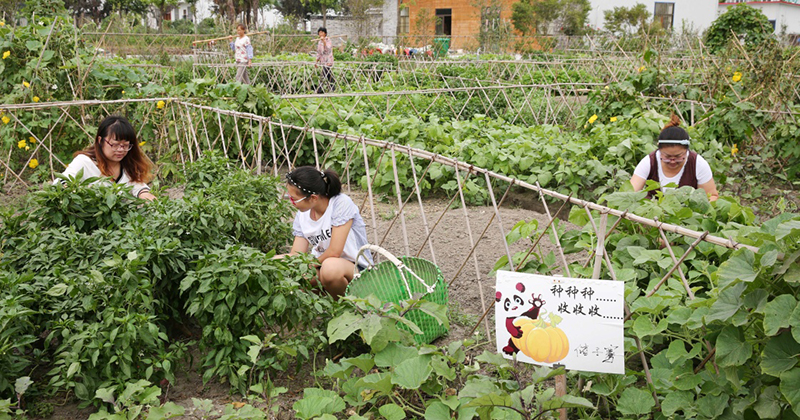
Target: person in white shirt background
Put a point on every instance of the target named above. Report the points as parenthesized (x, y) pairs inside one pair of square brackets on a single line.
[(673, 162), (243, 54), (115, 154), (328, 225)]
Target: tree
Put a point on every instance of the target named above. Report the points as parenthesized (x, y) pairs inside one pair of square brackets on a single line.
[(357, 9), (294, 11), (627, 20), (161, 7), (538, 16), (742, 22), (575, 16), (322, 7)]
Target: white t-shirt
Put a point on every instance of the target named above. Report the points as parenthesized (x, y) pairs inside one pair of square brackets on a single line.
[(702, 170), (90, 170), (341, 210)]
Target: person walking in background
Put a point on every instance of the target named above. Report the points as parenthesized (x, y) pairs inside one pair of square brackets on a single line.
[(325, 59), (243, 54)]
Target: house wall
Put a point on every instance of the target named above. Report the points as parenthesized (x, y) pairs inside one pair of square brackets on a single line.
[(338, 26), (782, 12), (696, 15), (465, 19)]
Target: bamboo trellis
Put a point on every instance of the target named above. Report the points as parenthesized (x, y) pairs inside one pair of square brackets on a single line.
[(267, 145)]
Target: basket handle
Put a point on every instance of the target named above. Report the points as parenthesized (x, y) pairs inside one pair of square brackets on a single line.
[(399, 264)]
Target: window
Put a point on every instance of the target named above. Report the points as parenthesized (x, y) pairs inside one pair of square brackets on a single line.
[(185, 14), (404, 24), (444, 21), (167, 16), (773, 23), (664, 14)]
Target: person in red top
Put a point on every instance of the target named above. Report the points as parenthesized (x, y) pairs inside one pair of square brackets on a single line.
[(674, 163), (325, 59)]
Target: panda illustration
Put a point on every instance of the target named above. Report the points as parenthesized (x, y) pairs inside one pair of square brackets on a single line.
[(514, 306)]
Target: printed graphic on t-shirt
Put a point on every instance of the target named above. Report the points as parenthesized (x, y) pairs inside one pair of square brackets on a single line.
[(320, 241)]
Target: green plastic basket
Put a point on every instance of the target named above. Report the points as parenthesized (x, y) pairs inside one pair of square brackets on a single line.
[(398, 279)]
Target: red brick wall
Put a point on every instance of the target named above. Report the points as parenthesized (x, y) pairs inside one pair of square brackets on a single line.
[(465, 18)]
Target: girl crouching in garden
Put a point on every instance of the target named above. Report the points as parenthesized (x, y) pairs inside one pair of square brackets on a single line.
[(328, 224), (115, 154)]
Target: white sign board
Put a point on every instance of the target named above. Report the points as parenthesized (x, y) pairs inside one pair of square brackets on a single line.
[(548, 320)]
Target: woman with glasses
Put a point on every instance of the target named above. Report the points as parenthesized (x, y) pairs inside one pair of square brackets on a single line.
[(115, 154), (674, 163), (328, 224)]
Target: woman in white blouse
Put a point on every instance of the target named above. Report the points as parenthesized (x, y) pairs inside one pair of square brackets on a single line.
[(115, 154)]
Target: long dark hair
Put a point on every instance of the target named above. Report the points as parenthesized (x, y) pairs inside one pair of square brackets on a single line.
[(136, 164), (672, 131), (309, 180)]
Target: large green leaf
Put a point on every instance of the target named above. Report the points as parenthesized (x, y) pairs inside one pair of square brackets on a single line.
[(790, 388), (316, 402), (635, 401), (567, 401), (394, 354), (776, 311), (392, 412), (676, 401), (437, 410), (779, 355), (732, 347), (794, 322), (769, 403), (712, 406), (343, 325), (728, 303), (785, 229), (411, 373), (739, 267)]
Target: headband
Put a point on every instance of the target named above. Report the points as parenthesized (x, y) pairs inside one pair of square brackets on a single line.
[(298, 186), (684, 142)]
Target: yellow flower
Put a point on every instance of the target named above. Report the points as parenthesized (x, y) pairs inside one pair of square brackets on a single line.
[(737, 76), (6, 54), (2, 23), (6, 120), (35, 99), (31, 140), (641, 69), (123, 92), (613, 119), (33, 164), (734, 150), (160, 104), (606, 88), (584, 126), (592, 119), (26, 84), (142, 143), (27, 148), (21, 144)]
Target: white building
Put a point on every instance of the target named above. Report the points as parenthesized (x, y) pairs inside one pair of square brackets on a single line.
[(183, 10), (695, 15), (781, 13)]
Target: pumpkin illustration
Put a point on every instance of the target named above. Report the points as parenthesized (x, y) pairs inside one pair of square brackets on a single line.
[(540, 341)]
